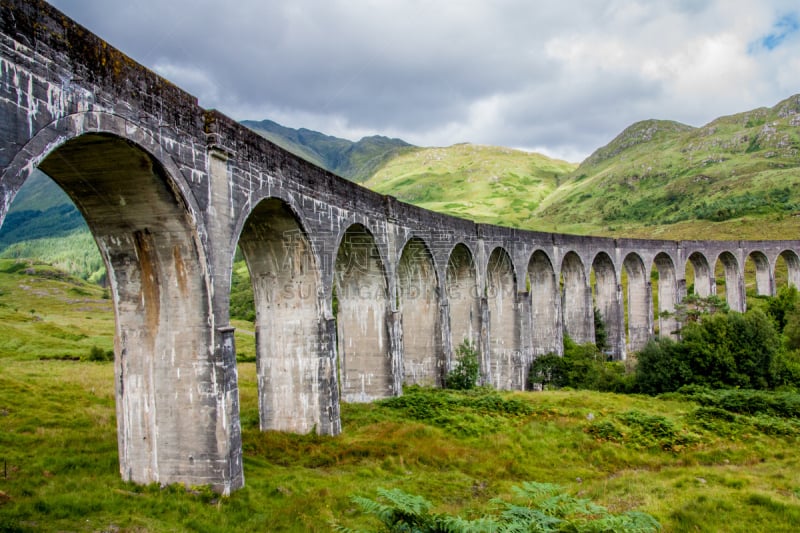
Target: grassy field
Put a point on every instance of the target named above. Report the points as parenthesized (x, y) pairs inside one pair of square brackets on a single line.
[(692, 468), (59, 452)]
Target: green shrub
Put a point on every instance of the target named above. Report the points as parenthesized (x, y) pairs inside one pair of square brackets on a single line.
[(464, 375), (547, 370), (98, 354), (720, 350)]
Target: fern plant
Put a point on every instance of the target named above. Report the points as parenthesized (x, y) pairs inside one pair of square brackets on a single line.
[(538, 507)]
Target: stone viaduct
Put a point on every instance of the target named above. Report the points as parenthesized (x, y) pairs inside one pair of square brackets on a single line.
[(170, 190)]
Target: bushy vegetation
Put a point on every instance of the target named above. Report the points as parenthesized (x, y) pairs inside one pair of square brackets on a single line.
[(715, 348), (465, 372), (583, 366), (721, 349), (537, 508)]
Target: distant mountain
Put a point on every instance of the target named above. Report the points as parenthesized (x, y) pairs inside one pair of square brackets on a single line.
[(356, 161), (721, 176)]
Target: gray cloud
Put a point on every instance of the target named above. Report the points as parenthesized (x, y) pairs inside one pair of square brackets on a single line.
[(563, 78)]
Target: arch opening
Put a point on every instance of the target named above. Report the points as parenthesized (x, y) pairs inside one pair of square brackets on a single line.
[(545, 305), (576, 300), (289, 326), (699, 278), (666, 295), (463, 298), (423, 357), (607, 299), (362, 300), (727, 269), (639, 303), (787, 269), (506, 368)]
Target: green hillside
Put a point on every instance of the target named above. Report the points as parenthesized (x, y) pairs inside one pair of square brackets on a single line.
[(483, 183), (732, 178), (43, 223)]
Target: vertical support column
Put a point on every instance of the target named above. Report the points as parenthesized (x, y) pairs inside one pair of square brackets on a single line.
[(225, 353), (394, 324), (330, 422), (525, 340), (485, 342), (617, 340), (448, 351)]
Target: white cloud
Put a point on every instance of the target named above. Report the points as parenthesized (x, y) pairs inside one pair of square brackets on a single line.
[(566, 77)]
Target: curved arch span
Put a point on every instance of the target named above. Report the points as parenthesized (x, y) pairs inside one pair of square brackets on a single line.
[(668, 295), (576, 299), (765, 283), (463, 297), (362, 300), (505, 367), (293, 362), (703, 276), (640, 305), (545, 305), (792, 261), (608, 301), (418, 287)]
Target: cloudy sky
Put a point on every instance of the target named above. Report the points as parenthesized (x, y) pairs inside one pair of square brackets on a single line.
[(559, 77)]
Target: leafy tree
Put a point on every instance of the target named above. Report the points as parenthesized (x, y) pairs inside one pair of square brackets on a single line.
[(783, 305), (721, 350), (600, 334), (548, 370), (464, 374), (792, 330), (660, 368)]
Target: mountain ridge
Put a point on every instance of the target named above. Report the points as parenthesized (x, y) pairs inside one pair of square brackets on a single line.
[(736, 177), (355, 161)]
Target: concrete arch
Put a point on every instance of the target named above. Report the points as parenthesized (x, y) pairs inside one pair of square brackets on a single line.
[(608, 301), (793, 266), (294, 363), (361, 290), (765, 282), (463, 297), (50, 138), (640, 302), (576, 299), (504, 368), (734, 282), (144, 221), (418, 295), (668, 295), (703, 275), (545, 305)]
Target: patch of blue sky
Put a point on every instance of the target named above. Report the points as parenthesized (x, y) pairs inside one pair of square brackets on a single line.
[(784, 27)]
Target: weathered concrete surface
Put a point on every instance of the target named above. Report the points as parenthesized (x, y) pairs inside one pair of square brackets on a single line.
[(170, 189)]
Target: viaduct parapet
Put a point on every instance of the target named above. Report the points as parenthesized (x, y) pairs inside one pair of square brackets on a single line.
[(169, 190)]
